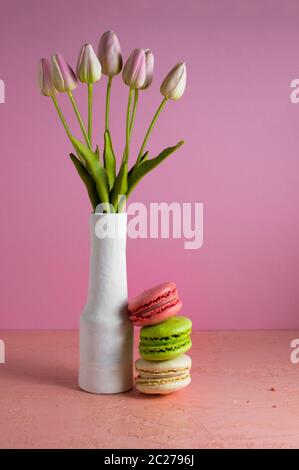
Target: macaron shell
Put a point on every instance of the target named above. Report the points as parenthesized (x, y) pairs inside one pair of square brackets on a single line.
[(157, 315), (172, 326), (151, 295), (162, 387), (181, 362)]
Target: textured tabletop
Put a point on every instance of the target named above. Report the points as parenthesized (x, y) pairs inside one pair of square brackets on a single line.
[(244, 393)]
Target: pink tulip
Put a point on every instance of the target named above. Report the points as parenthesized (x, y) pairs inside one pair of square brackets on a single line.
[(88, 67), (149, 63), (134, 72), (45, 83), (64, 78), (174, 84), (109, 54)]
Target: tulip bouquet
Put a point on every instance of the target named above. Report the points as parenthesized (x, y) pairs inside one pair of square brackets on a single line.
[(106, 184)]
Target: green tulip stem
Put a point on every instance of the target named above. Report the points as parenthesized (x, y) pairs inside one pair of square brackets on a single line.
[(62, 118), (79, 119), (150, 129), (134, 110), (90, 90), (127, 149), (107, 111)]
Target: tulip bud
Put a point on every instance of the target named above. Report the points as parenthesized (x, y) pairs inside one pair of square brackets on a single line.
[(45, 83), (174, 84), (149, 64), (109, 54), (134, 72), (64, 78), (89, 69)]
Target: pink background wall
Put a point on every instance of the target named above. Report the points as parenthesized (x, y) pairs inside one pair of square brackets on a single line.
[(240, 159)]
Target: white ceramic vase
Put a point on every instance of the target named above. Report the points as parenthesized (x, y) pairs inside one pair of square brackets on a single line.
[(106, 334)]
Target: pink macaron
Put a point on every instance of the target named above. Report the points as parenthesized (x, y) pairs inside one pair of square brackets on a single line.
[(155, 305)]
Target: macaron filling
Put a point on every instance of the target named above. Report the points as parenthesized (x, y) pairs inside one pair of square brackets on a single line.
[(152, 382), (162, 372), (170, 347), (179, 337)]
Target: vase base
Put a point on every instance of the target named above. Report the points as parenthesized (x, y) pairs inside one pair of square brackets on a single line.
[(95, 392), (109, 380)]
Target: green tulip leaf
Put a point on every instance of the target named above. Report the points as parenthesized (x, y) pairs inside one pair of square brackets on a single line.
[(94, 168), (87, 180), (144, 157), (145, 166), (120, 186), (109, 159)]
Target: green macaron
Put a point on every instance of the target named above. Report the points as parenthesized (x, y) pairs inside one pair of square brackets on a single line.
[(165, 340)]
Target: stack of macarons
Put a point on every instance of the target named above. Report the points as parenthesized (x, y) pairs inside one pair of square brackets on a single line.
[(164, 339)]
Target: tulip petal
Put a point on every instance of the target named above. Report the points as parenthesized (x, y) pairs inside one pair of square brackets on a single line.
[(174, 84), (149, 63), (88, 66), (45, 82), (64, 77), (134, 72), (109, 54)]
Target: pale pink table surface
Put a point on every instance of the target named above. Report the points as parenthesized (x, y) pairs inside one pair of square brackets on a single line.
[(244, 394)]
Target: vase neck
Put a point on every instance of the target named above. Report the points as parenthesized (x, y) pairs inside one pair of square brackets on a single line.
[(107, 273)]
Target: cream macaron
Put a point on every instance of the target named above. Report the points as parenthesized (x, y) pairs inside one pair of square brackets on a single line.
[(163, 377)]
